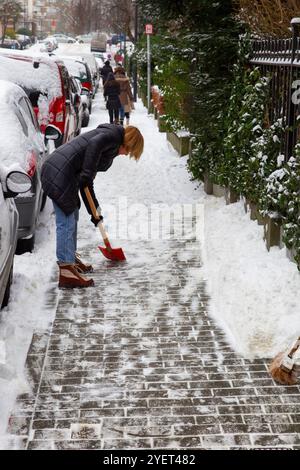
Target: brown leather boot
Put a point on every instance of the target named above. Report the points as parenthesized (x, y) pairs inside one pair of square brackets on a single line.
[(70, 278), (84, 268)]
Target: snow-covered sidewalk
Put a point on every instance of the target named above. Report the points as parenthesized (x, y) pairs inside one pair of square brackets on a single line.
[(137, 358)]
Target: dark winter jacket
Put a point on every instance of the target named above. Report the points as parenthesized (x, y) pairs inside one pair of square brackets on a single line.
[(74, 165), (105, 71), (112, 92)]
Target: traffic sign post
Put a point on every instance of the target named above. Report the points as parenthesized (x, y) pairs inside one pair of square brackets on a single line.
[(148, 31)]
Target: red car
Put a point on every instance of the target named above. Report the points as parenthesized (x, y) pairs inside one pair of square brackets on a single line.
[(48, 86)]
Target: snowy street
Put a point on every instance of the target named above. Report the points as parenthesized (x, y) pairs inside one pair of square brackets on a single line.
[(169, 349)]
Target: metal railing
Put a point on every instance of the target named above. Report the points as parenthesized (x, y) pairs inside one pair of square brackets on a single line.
[(279, 59)]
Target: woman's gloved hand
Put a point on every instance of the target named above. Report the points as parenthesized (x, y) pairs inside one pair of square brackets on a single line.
[(97, 220)]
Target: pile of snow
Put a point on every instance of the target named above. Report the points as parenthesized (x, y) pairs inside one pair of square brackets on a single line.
[(255, 294)]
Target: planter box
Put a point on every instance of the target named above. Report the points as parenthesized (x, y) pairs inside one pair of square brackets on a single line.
[(253, 211), (231, 196), (261, 220), (208, 185), (162, 127), (218, 191), (272, 232), (180, 142)]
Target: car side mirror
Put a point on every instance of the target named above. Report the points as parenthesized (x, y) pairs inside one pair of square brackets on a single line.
[(52, 132), (17, 182)]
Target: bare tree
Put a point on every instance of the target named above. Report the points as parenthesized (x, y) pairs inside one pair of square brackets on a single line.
[(122, 17), (84, 16), (9, 11), (268, 17)]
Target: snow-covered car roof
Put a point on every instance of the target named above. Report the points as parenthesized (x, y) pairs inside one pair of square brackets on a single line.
[(75, 66), (20, 70), (90, 59)]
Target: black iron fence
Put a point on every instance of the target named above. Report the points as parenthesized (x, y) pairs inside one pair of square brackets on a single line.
[(280, 60)]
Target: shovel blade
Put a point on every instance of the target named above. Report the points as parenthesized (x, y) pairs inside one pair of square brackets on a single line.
[(115, 254)]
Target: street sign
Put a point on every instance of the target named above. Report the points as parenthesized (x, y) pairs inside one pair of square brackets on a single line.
[(149, 29)]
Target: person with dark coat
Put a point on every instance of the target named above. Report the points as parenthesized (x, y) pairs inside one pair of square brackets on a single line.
[(106, 69), (112, 92), (68, 170)]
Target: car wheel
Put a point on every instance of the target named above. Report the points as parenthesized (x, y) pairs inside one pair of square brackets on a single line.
[(25, 245), (86, 118), (7, 290)]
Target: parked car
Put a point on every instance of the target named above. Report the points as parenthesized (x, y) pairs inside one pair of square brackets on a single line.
[(102, 56), (47, 45), (100, 64), (85, 98), (54, 40), (9, 43), (80, 70), (47, 84), (12, 183), (92, 63), (117, 38), (64, 39), (99, 42), (22, 145), (23, 40), (84, 38), (78, 103)]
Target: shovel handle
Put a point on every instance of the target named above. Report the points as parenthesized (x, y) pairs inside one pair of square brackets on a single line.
[(294, 348), (96, 216)]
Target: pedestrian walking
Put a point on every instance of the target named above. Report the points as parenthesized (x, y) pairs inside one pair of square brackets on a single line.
[(106, 69), (119, 58), (68, 170), (111, 93), (126, 96)]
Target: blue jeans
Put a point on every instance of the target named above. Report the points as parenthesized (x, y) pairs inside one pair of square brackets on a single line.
[(122, 112), (66, 235)]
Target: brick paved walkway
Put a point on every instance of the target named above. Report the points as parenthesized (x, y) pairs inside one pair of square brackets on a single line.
[(138, 363)]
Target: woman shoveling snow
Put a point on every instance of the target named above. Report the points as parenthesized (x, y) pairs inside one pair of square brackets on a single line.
[(70, 169)]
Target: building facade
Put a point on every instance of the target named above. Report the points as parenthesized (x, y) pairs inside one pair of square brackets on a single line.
[(40, 16)]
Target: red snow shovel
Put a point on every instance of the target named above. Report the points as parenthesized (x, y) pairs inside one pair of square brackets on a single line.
[(114, 254)]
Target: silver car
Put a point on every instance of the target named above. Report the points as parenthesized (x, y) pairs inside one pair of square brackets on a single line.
[(22, 145), (12, 183)]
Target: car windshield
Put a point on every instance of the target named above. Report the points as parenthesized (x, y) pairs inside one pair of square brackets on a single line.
[(77, 69)]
